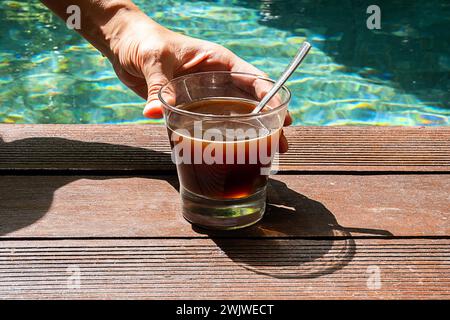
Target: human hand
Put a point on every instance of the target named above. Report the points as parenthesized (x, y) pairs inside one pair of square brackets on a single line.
[(145, 56)]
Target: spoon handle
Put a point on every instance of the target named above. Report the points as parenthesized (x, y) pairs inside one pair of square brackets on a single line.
[(301, 54)]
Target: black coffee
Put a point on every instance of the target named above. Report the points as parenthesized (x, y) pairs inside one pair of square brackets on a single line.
[(232, 167)]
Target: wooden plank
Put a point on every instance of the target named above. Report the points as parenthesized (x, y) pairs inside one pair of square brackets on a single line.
[(146, 147), (84, 147), (299, 206), (225, 269)]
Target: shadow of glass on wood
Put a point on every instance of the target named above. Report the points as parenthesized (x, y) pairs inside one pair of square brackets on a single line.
[(301, 238), (280, 249)]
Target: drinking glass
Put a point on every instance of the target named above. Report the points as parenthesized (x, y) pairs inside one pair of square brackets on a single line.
[(223, 154)]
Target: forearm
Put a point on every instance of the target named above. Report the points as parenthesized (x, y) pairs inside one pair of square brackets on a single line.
[(103, 22)]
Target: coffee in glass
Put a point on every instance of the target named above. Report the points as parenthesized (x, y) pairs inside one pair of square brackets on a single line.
[(223, 152)]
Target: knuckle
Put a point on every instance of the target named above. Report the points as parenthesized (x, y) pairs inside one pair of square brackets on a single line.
[(149, 56), (152, 53), (153, 89)]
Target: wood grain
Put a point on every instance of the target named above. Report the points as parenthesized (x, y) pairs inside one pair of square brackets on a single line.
[(118, 182), (299, 206), (146, 147), (226, 269)]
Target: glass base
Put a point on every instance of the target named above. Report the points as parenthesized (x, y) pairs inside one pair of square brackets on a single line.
[(223, 214)]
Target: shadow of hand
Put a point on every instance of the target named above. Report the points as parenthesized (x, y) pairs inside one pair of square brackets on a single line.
[(20, 203)]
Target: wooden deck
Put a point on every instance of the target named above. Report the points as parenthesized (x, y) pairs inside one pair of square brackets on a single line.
[(349, 206)]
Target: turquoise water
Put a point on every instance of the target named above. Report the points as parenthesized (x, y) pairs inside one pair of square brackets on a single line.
[(398, 75)]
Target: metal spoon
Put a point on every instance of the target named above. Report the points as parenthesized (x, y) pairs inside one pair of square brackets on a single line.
[(301, 54)]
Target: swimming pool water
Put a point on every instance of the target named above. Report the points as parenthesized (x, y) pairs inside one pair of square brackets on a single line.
[(398, 75)]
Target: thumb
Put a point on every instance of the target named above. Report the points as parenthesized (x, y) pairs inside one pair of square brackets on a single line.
[(155, 80)]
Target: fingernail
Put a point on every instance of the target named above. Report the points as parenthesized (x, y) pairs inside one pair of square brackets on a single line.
[(153, 110)]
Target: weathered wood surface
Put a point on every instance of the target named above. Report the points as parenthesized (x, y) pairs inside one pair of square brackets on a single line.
[(329, 230), (299, 205), (146, 147), (226, 269)]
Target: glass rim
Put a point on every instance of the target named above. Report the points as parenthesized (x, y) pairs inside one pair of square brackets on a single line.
[(214, 116)]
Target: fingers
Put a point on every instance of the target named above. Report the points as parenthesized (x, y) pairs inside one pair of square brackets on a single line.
[(134, 83), (287, 120), (155, 80), (140, 90), (239, 65), (283, 145), (259, 89), (153, 110)]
